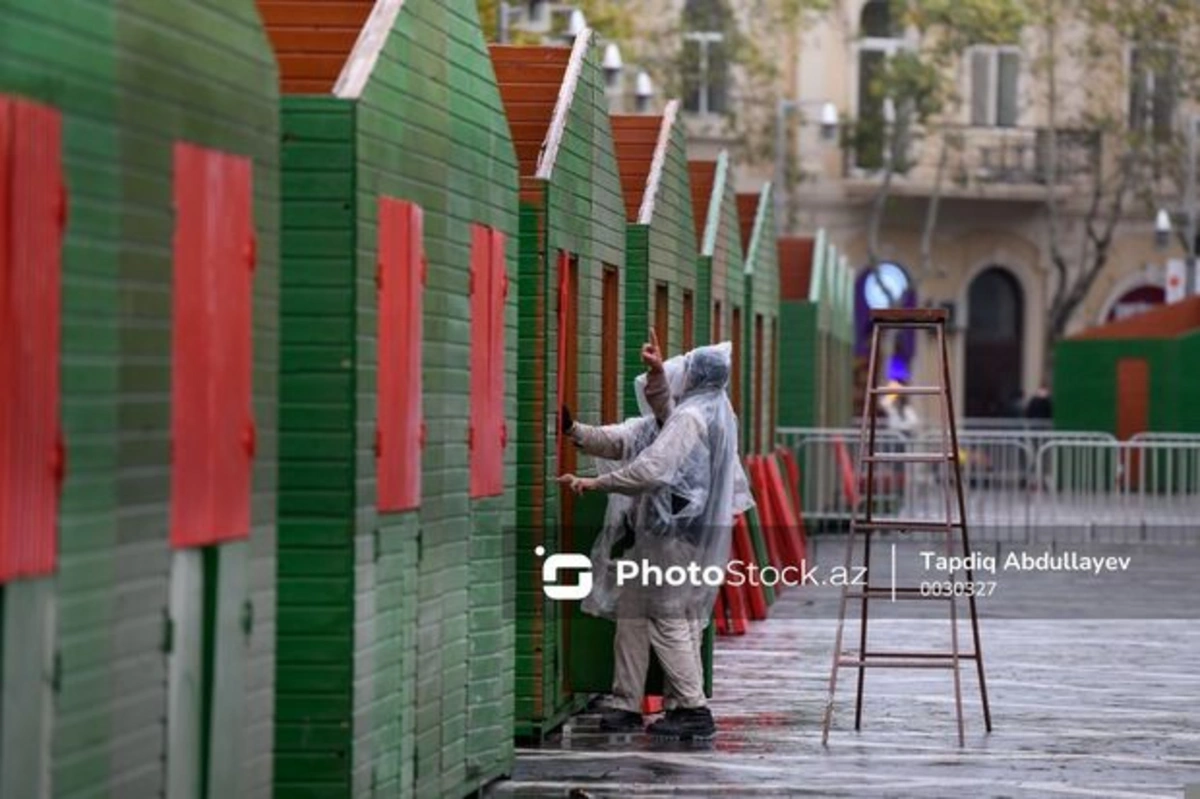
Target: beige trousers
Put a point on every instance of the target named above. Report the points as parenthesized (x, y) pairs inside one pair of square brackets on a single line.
[(677, 643)]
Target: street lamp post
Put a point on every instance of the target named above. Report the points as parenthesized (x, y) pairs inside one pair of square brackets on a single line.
[(1189, 201), (783, 109), (1162, 222)]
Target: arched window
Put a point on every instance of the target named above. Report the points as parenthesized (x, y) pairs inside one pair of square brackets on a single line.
[(705, 56), (995, 343), (887, 285)]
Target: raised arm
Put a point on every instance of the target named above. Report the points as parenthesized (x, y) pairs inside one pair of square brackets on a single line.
[(610, 441), (658, 390), (656, 465)]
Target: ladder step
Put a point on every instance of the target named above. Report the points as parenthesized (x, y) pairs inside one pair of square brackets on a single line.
[(927, 390), (897, 664), (908, 457), (932, 525), (909, 316), (924, 655)]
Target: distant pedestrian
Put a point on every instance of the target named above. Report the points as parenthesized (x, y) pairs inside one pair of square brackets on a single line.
[(1040, 405)]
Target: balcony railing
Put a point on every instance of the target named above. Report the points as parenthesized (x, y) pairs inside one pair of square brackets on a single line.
[(982, 159)]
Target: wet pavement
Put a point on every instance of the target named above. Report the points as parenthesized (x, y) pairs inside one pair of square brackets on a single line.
[(1082, 707)]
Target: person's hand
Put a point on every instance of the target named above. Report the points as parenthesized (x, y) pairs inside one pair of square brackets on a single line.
[(652, 353), (578, 484), (567, 421)]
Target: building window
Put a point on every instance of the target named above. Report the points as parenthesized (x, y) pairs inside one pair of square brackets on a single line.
[(881, 38), (876, 21), (705, 57), (538, 13), (994, 72), (1152, 89)]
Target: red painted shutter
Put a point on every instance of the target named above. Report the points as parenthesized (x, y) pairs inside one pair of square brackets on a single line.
[(236, 437), (212, 428), (401, 275), (488, 432), (499, 294), (481, 377), (564, 322), (32, 221)]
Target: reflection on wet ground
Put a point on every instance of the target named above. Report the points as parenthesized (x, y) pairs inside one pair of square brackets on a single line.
[(1082, 708)]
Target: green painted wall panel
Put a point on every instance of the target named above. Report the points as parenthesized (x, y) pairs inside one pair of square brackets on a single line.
[(199, 72), (430, 130), (63, 55), (583, 215), (316, 468), (762, 299), (799, 377)]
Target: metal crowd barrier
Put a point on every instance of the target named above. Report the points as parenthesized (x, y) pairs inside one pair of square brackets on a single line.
[(1017, 480)]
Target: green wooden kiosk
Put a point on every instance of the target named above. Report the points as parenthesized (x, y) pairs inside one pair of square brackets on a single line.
[(760, 329), (398, 387), (816, 317), (572, 264), (1132, 375), (721, 268), (660, 285), (133, 570)]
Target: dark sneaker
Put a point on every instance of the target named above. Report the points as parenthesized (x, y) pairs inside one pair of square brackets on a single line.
[(620, 721), (685, 724)]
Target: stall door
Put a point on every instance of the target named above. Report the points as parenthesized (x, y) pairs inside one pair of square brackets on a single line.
[(568, 372)]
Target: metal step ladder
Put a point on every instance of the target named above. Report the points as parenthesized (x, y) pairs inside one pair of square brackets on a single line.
[(864, 522)]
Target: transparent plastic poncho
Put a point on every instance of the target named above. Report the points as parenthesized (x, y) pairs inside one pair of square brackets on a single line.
[(681, 523)]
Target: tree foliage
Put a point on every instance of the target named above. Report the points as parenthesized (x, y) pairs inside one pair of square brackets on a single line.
[(611, 19), (922, 82)]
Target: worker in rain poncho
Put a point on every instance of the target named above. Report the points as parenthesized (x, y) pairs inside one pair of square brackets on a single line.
[(676, 489)]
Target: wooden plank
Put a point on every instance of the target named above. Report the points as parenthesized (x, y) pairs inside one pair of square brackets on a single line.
[(508, 54), (528, 113), (185, 672), (547, 74), (305, 86), (228, 730), (316, 13), (307, 40), (529, 92), (26, 704), (307, 65)]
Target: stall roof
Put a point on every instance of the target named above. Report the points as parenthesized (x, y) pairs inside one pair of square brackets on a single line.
[(313, 40), (641, 143), (747, 204), (1165, 321), (703, 176), (537, 85), (795, 267)]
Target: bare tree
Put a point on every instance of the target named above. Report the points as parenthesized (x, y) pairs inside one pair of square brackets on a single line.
[(1108, 159)]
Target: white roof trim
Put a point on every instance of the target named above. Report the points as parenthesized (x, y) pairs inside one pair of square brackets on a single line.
[(371, 40), (716, 202), (756, 229), (646, 212), (562, 107)]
